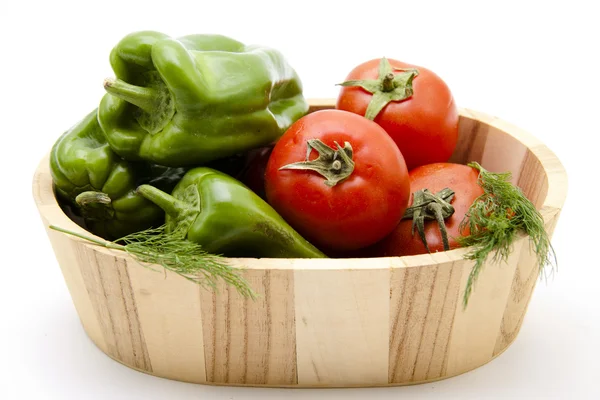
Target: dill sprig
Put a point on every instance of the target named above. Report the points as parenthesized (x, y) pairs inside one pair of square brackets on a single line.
[(495, 219), (174, 253)]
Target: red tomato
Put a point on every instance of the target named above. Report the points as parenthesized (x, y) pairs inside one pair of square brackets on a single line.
[(424, 125), (358, 210), (435, 177)]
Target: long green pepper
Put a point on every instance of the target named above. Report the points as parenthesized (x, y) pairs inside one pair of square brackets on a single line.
[(225, 217)]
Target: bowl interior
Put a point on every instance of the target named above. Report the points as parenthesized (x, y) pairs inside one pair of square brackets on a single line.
[(495, 144), (499, 151)]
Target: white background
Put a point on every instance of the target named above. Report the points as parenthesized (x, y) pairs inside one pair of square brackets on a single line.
[(534, 64)]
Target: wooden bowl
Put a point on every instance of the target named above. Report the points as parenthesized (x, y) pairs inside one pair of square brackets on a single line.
[(317, 322)]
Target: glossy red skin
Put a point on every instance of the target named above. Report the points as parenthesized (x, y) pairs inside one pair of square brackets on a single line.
[(435, 177), (424, 126), (358, 211)]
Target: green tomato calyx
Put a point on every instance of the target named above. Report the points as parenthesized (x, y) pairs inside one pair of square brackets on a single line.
[(334, 165), (429, 206), (387, 87)]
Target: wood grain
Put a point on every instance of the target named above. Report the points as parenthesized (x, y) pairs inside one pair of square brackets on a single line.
[(421, 320), (175, 343), (526, 277), (475, 329), (251, 341), (471, 140), (108, 285), (318, 323), (531, 180), (342, 322)]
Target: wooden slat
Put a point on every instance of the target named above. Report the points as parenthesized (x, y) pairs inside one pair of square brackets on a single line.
[(471, 141), (65, 252), (170, 305), (108, 285), (421, 313), (475, 329), (251, 341), (342, 324), (526, 277), (531, 180), (495, 160)]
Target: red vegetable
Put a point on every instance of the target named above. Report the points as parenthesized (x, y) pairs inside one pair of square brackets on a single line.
[(338, 179), (413, 104), (462, 180)]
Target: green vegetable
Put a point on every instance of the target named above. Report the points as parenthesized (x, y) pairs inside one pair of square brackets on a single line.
[(182, 257), (495, 219), (198, 98), (222, 215), (100, 187)]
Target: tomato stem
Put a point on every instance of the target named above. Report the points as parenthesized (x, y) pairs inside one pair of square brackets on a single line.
[(334, 165), (430, 206), (387, 83), (387, 87)]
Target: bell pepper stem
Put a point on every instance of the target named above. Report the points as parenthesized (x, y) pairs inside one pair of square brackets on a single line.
[(92, 197), (168, 203), (142, 97), (95, 205)]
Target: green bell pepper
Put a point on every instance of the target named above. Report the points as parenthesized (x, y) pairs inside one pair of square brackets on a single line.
[(198, 98), (225, 217), (100, 187)]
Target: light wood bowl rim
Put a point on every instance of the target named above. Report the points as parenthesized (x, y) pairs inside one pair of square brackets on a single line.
[(553, 203)]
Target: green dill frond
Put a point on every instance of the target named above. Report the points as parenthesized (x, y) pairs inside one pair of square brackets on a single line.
[(495, 219), (175, 253)]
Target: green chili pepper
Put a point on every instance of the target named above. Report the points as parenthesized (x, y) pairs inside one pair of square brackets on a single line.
[(100, 187), (225, 217), (198, 98)]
